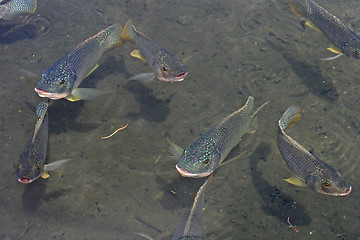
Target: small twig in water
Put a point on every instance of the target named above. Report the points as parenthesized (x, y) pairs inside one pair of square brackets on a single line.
[(114, 132), (26, 229), (291, 226)]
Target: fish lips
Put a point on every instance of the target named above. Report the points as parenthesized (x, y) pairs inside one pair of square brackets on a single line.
[(178, 78), (53, 96), (186, 173), (25, 180)]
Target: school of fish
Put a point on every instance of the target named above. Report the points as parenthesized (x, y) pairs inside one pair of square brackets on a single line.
[(210, 150)]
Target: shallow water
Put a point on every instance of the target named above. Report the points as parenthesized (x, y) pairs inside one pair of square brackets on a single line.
[(113, 188)]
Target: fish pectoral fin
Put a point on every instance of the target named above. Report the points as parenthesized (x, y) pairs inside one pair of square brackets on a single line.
[(253, 125), (334, 49), (295, 9), (143, 77), (331, 58), (144, 235), (45, 175), (84, 94), (137, 54), (310, 24), (92, 69), (55, 165), (175, 150), (295, 181)]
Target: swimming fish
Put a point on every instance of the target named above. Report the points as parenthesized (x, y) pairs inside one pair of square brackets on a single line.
[(191, 226), (165, 66), (62, 79), (343, 38), (12, 9), (308, 169), (31, 164), (206, 153)]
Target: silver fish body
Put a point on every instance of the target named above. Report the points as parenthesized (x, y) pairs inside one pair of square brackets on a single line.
[(32, 159), (64, 76), (315, 173), (341, 36), (165, 65), (206, 153), (12, 9), (191, 226)]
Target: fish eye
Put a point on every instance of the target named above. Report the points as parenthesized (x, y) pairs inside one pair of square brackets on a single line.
[(164, 69), (37, 167), (326, 184), (62, 81), (206, 161)]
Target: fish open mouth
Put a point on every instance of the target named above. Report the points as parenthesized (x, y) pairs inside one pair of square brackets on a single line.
[(346, 193), (25, 180), (53, 96), (178, 78), (185, 173)]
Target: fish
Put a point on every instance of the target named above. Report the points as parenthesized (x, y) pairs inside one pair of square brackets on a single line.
[(62, 79), (165, 65), (308, 169), (206, 153), (31, 164), (191, 226), (343, 38), (12, 9)]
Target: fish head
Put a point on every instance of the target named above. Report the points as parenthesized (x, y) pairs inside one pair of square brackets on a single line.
[(330, 184), (352, 50), (57, 82), (169, 68), (29, 167), (198, 163)]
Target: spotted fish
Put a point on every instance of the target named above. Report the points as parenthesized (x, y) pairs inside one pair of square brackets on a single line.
[(165, 66), (344, 39), (12, 9), (206, 153), (308, 169), (62, 79)]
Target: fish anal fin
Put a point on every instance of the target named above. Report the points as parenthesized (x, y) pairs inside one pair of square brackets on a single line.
[(137, 54), (295, 181), (310, 24), (334, 49), (45, 175)]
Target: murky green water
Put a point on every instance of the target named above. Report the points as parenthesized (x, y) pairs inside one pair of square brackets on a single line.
[(233, 49)]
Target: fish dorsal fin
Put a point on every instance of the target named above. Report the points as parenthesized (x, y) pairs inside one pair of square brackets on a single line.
[(41, 111), (137, 54), (311, 24), (295, 181)]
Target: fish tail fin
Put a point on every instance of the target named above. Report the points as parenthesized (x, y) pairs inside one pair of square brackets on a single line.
[(290, 117), (297, 8), (253, 124), (110, 37), (127, 33)]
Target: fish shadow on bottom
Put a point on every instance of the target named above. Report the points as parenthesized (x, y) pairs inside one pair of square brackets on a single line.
[(16, 32), (275, 202), (34, 195), (310, 75), (152, 109), (180, 193)]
